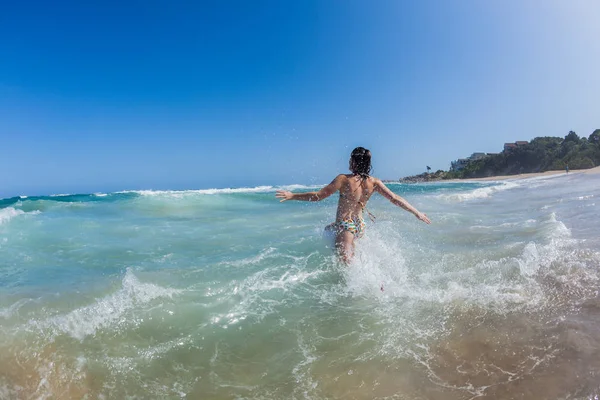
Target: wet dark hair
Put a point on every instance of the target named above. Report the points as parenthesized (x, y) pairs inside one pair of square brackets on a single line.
[(361, 162)]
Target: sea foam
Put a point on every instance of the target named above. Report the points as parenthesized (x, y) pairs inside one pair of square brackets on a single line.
[(257, 189), (8, 213), (479, 193), (108, 311)]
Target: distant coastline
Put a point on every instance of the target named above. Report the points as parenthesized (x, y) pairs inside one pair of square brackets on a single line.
[(425, 177), (540, 156), (434, 178), (589, 171)]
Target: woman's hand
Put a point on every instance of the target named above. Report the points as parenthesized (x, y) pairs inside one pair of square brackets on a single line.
[(284, 195), (422, 217)]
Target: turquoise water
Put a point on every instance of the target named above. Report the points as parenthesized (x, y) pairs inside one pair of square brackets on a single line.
[(226, 293)]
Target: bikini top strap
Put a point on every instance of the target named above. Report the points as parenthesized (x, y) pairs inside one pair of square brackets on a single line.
[(369, 213)]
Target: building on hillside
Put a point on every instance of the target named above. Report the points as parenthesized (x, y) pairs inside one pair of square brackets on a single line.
[(477, 156), (462, 162), (459, 164), (509, 146)]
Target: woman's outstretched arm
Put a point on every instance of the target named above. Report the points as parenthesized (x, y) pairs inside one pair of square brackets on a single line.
[(327, 191), (399, 201)]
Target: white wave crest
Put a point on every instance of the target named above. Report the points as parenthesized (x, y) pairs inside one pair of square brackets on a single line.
[(480, 193), (299, 187), (181, 193), (13, 309), (6, 214), (109, 310), (591, 196), (9, 213), (555, 229)]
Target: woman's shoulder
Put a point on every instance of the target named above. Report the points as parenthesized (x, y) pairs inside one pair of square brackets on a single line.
[(374, 182)]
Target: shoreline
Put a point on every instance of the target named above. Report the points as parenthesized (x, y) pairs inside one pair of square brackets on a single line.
[(590, 171)]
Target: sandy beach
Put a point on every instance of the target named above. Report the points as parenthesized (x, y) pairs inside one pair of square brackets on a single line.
[(595, 170)]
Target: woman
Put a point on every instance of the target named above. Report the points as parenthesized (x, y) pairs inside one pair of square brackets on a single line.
[(355, 190)]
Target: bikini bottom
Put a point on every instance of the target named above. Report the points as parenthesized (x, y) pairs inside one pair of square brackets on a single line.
[(355, 225)]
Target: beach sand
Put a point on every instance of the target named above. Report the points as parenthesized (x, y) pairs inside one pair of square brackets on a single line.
[(595, 170)]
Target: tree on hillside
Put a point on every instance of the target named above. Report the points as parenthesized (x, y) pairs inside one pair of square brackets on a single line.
[(572, 137), (593, 148)]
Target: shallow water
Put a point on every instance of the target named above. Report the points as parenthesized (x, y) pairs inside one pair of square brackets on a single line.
[(214, 294)]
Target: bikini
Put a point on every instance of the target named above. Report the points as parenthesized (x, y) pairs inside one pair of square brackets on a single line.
[(355, 226)]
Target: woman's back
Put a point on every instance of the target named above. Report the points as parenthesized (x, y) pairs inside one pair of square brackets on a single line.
[(355, 192)]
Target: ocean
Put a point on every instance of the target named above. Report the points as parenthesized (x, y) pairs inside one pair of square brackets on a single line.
[(229, 294)]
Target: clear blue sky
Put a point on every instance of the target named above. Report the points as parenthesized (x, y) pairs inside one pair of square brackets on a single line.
[(172, 95)]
